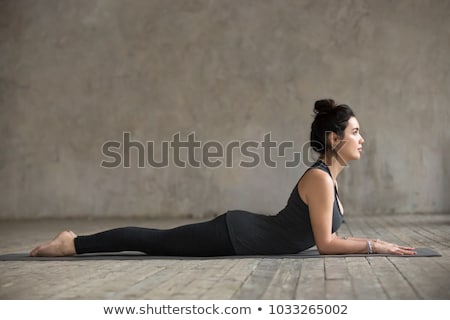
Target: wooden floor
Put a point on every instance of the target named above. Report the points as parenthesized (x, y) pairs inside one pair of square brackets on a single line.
[(251, 278)]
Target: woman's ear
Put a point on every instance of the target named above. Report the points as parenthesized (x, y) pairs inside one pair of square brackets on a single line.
[(333, 140)]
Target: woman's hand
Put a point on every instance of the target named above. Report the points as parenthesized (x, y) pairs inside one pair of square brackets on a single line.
[(380, 246)]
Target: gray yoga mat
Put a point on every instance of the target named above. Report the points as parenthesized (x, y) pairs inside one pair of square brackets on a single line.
[(311, 253)]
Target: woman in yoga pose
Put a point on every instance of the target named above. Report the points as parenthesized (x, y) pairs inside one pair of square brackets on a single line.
[(312, 215)]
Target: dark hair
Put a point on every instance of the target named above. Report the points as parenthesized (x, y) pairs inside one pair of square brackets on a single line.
[(328, 117)]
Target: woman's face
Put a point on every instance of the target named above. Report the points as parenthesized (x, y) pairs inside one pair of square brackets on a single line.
[(350, 146)]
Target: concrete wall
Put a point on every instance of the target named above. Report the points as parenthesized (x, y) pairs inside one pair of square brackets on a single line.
[(76, 74)]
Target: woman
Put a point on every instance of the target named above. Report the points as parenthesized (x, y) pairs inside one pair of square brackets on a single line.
[(311, 217)]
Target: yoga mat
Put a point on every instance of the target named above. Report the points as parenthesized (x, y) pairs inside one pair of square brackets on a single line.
[(310, 253)]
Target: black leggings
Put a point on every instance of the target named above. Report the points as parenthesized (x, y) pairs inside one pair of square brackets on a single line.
[(210, 238)]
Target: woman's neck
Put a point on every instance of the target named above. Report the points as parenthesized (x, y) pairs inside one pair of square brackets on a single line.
[(334, 164)]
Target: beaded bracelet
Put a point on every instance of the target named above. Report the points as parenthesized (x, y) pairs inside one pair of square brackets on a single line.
[(369, 247)]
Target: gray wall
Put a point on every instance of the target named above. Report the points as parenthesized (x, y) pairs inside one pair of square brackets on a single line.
[(76, 74)]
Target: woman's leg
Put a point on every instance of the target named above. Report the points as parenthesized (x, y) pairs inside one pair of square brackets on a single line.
[(210, 238)]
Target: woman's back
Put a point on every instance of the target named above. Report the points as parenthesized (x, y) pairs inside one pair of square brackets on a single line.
[(289, 231)]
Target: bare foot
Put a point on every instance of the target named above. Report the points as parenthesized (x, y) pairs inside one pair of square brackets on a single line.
[(61, 245)]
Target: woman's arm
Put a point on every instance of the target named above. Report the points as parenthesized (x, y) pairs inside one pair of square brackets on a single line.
[(380, 246), (318, 193), (358, 239)]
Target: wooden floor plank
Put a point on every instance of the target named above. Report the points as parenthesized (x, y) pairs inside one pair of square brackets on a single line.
[(284, 282), (206, 274), (429, 279), (339, 289), (231, 281), (176, 283), (394, 285), (338, 280), (258, 281), (366, 285), (311, 284), (162, 272)]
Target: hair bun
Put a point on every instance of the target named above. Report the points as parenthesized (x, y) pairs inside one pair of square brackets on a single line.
[(324, 106)]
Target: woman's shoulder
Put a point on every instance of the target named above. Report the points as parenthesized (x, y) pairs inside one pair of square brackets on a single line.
[(315, 175), (314, 180)]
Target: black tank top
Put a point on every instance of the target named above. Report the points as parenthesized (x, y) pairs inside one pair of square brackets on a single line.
[(289, 231)]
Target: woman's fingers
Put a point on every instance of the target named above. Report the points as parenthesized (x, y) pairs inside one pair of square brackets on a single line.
[(405, 251), (406, 248), (386, 247)]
